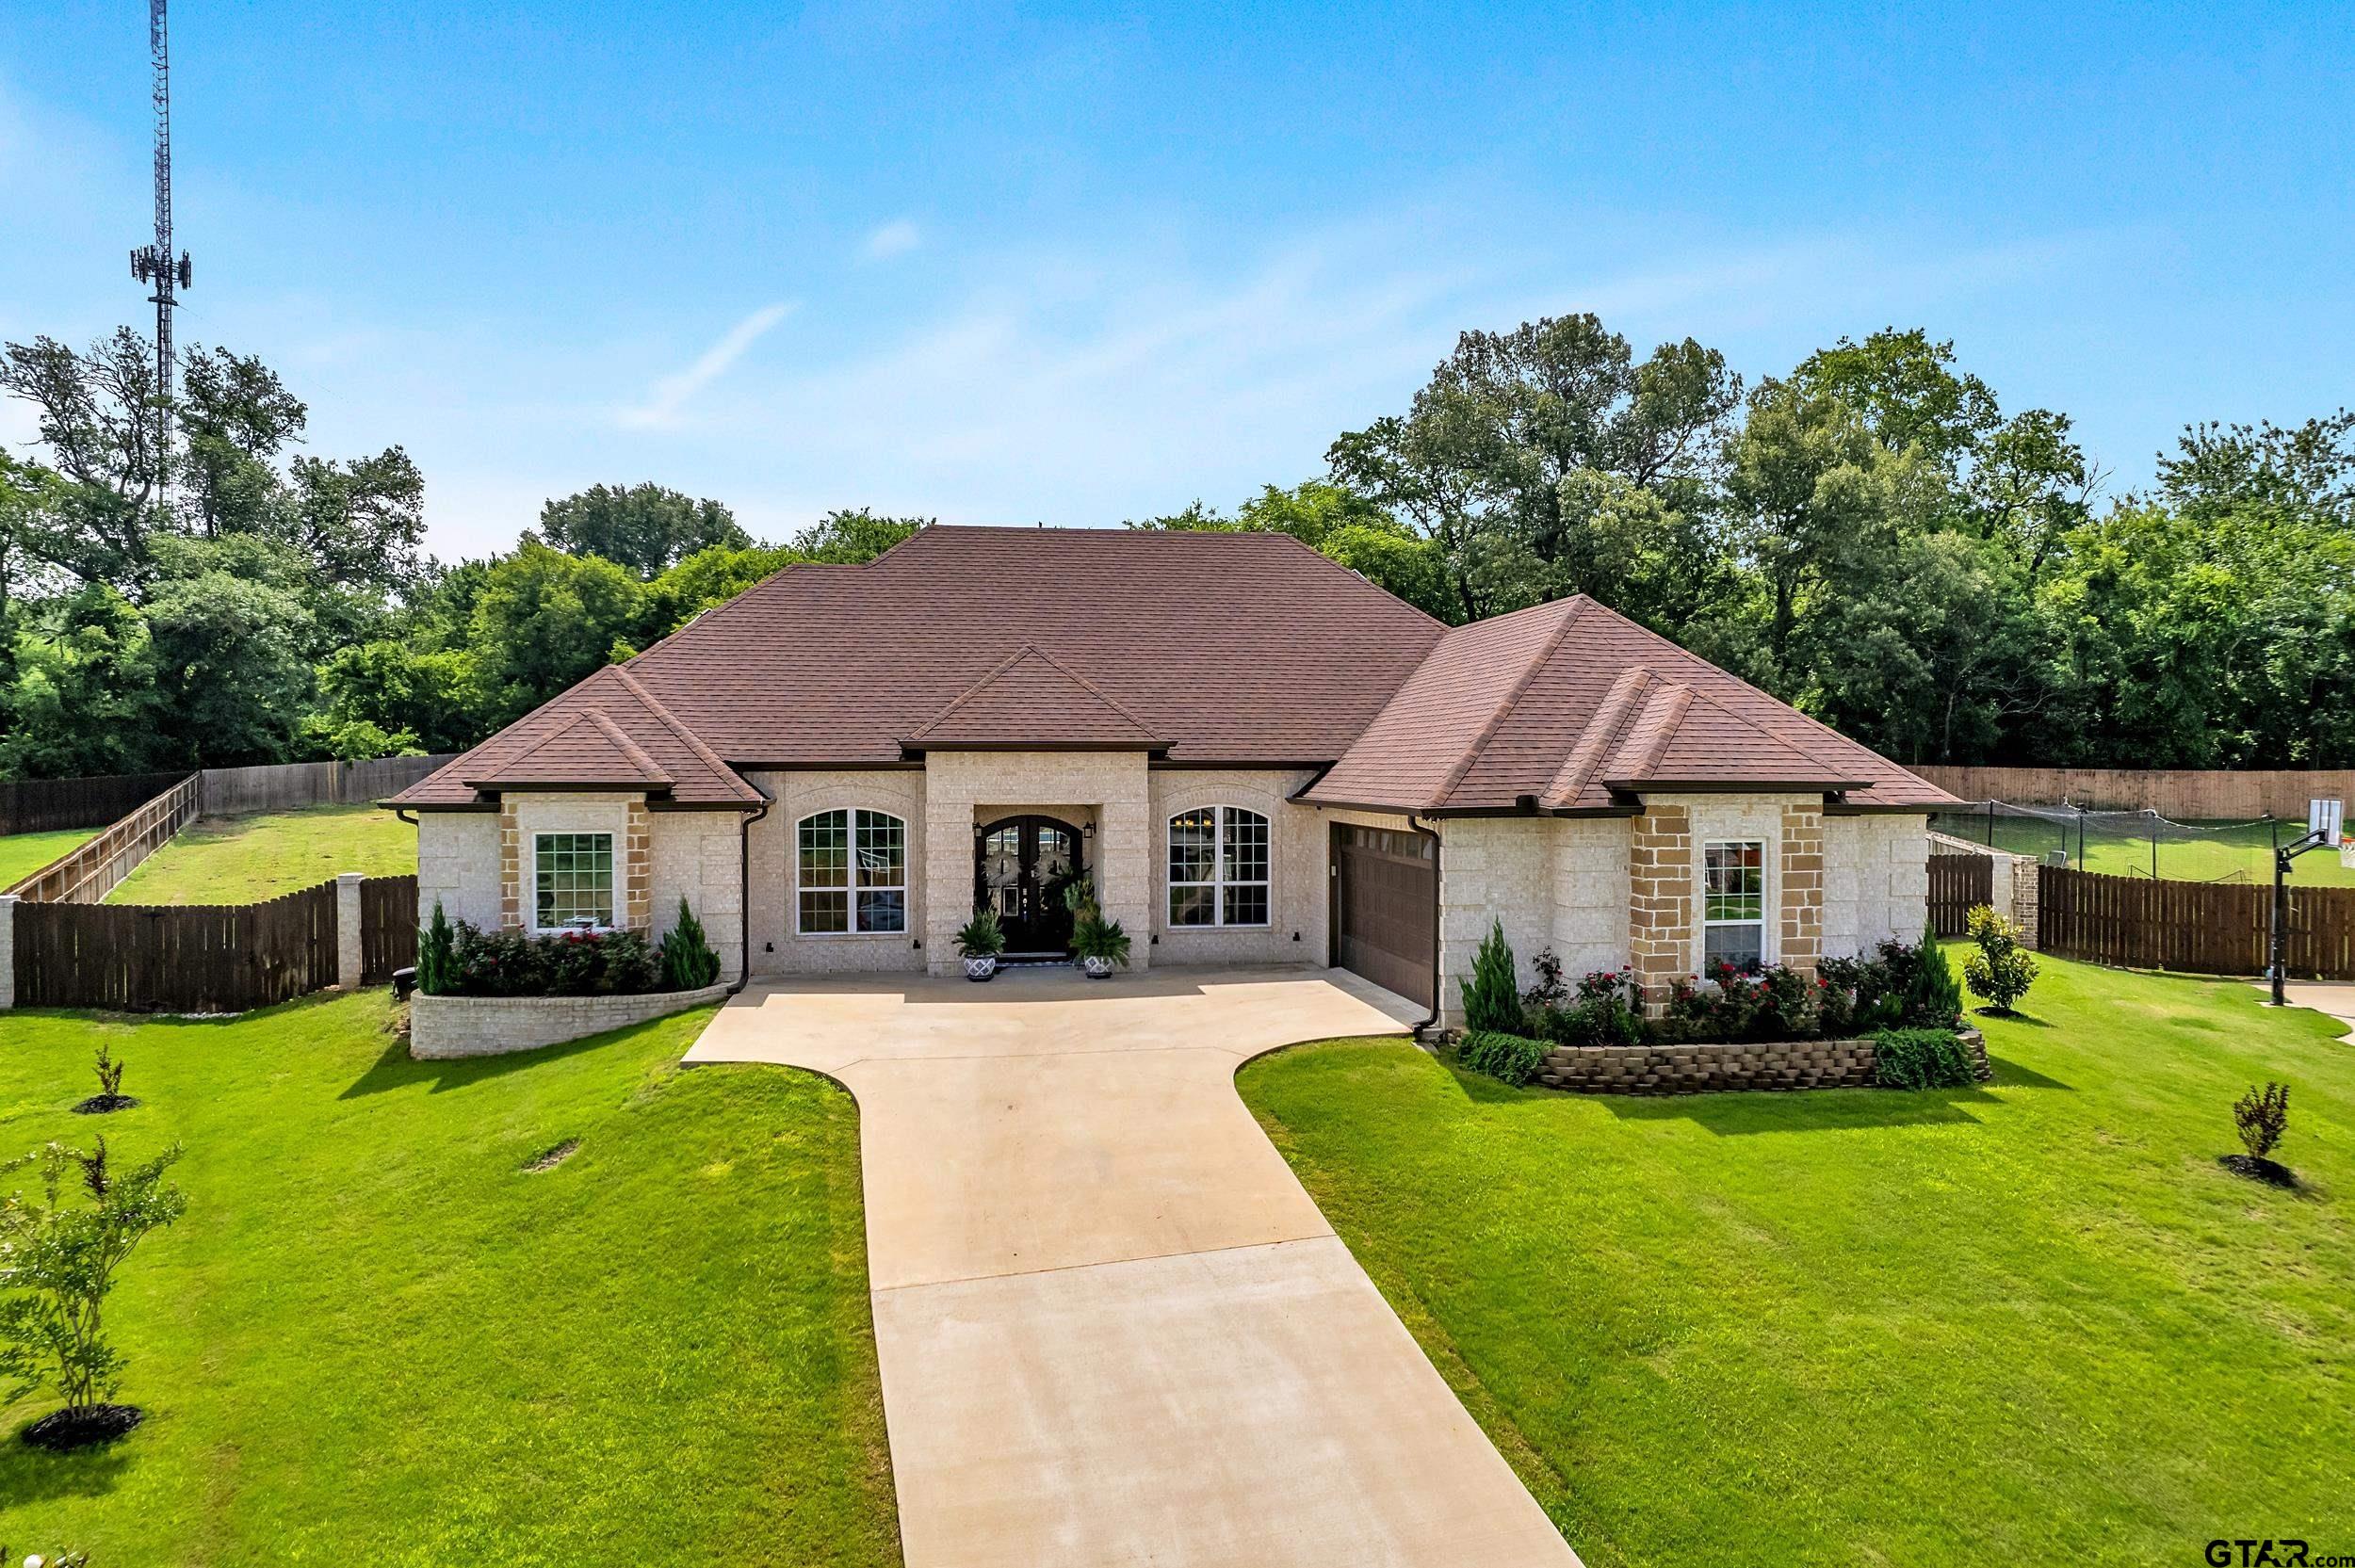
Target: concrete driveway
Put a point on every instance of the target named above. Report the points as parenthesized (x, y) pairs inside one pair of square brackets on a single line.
[(1113, 1327)]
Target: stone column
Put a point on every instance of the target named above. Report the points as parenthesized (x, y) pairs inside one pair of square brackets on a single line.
[(636, 910), (1660, 900), (511, 869), (7, 949), (1802, 916), (2026, 902), (347, 959)]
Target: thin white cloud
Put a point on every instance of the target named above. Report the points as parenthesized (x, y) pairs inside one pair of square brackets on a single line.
[(671, 393), (895, 238)]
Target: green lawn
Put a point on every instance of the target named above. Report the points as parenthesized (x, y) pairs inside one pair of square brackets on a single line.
[(2238, 850), (377, 1338), (242, 860), (2029, 1322), (21, 854)]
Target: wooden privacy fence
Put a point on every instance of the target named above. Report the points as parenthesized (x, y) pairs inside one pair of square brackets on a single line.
[(2186, 794), (388, 927), (90, 873), (196, 958), (1959, 884), (2197, 927), (55, 805), (290, 786)]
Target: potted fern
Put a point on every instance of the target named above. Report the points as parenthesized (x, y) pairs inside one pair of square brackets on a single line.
[(980, 941), (1101, 944)]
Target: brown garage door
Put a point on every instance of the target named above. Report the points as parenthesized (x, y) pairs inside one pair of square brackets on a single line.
[(1386, 908)]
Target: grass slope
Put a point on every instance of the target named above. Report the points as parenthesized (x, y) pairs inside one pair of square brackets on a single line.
[(2029, 1323), (21, 854), (2236, 851), (376, 1338), (243, 860)]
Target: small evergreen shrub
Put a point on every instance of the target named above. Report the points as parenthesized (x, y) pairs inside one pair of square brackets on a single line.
[(1507, 1058), (2263, 1116), (686, 956), (1921, 1059), (436, 946), (1492, 1003), (1857, 996), (2002, 970), (1932, 999)]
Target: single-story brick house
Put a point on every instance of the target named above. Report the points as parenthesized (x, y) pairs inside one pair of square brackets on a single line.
[(1253, 754)]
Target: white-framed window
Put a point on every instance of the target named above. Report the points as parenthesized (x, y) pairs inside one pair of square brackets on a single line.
[(852, 873), (571, 879), (1733, 903), (1218, 867)]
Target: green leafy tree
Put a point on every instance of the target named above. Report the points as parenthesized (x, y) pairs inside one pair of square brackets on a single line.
[(59, 1258), (232, 667), (709, 578), (85, 695), (645, 527), (429, 695), (849, 536), (1998, 971), (545, 621), (95, 413)]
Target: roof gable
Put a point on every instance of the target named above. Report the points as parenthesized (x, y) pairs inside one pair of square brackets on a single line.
[(588, 750), (1032, 700)]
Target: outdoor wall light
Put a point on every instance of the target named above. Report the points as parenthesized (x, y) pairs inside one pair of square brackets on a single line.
[(1087, 830)]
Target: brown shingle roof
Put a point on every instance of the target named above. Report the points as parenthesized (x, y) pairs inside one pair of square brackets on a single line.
[(607, 730), (1565, 700), (1032, 700), (1241, 649)]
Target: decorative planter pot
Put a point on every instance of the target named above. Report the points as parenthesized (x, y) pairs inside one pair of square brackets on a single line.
[(980, 966), (1096, 968)]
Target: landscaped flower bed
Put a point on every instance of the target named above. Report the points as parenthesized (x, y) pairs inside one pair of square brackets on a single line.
[(1889, 1017)]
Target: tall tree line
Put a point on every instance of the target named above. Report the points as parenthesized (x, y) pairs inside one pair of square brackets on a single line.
[(1871, 535)]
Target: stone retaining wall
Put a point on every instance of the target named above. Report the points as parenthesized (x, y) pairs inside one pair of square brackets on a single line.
[(446, 1027), (1701, 1069)]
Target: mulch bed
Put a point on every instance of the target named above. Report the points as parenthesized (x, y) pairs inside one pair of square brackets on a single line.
[(99, 1104), (63, 1430), (2271, 1173)]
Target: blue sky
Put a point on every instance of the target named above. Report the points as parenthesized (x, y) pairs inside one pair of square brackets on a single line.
[(1075, 266)]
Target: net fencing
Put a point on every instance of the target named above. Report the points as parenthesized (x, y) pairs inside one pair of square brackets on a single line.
[(2140, 842)]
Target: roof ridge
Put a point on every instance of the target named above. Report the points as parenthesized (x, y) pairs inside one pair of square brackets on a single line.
[(1352, 571), (670, 720), (631, 748), (1655, 726), (1595, 741), (714, 612), (1511, 696), (1760, 730)]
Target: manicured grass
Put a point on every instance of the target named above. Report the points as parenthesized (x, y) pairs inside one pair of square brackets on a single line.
[(242, 860), (2223, 851), (377, 1338), (2029, 1322), (21, 854)]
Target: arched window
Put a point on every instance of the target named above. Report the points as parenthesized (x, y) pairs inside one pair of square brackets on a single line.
[(1218, 867), (852, 873)]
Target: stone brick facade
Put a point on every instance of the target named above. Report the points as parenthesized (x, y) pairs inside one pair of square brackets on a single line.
[(1800, 897), (511, 868), (1740, 1065), (1661, 891), (1876, 879), (635, 894)]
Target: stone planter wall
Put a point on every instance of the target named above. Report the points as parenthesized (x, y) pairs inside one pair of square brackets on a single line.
[(444, 1027), (1701, 1069)]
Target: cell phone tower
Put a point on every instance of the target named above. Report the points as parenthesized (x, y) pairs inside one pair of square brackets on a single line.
[(153, 264)]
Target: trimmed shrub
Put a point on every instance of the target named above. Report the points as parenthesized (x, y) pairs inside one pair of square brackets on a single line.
[(1932, 999), (686, 956), (1507, 1058), (1776, 1003), (2002, 970), (1857, 996), (2263, 1116), (1492, 1003), (1603, 1014), (1921, 1059), (565, 963), (436, 944)]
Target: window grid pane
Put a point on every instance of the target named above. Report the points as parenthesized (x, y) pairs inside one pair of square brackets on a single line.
[(852, 868), (573, 879), (1218, 867)]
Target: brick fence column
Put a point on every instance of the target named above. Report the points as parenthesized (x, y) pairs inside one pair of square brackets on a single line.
[(2026, 902), (7, 949), (1802, 901), (1660, 900), (347, 959)]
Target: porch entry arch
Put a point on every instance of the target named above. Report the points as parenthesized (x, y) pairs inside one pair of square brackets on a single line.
[(1021, 865)]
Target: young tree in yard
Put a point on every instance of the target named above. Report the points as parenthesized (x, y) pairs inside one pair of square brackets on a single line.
[(645, 527), (2000, 971), (59, 1256)]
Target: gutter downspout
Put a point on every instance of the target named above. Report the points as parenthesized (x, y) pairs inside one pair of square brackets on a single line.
[(744, 892), (1437, 846)]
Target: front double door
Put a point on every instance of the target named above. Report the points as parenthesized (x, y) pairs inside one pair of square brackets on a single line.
[(1023, 864)]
